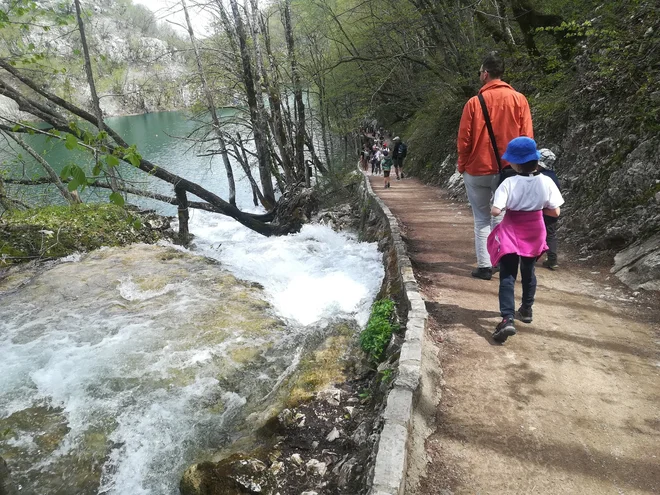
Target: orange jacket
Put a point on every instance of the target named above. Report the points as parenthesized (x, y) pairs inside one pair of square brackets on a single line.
[(510, 118)]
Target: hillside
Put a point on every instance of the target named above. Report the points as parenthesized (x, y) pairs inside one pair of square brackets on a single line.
[(140, 63)]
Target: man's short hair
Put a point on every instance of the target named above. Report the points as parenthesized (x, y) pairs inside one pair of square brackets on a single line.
[(529, 167), (494, 65)]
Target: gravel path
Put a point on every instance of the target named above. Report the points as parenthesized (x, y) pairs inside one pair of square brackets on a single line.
[(569, 405)]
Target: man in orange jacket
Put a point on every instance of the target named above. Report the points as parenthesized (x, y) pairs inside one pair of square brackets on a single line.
[(510, 118)]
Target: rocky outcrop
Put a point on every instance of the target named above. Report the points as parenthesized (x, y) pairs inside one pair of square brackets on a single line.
[(639, 265)]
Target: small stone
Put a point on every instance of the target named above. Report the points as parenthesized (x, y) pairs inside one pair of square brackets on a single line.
[(309, 492), (333, 435), (331, 395), (315, 466), (315, 444), (296, 459), (286, 417), (276, 467), (350, 410)]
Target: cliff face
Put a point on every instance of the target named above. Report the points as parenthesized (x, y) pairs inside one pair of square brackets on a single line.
[(139, 63)]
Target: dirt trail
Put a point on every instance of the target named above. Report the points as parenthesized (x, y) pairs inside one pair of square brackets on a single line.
[(569, 405)]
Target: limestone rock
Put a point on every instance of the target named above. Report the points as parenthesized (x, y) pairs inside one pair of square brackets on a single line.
[(639, 265), (333, 435), (314, 466), (331, 395)]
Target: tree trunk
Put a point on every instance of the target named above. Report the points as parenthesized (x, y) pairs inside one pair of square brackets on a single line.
[(297, 89), (273, 92), (259, 137), (92, 87), (183, 214), (211, 105)]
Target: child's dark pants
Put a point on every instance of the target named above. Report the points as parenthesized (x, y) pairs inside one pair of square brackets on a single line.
[(551, 239), (508, 275)]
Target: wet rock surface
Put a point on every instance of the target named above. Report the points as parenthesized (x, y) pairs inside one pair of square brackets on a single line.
[(324, 446)]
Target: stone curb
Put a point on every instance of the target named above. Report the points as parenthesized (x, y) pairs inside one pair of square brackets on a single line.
[(391, 458)]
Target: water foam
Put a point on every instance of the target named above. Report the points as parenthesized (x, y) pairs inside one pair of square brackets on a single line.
[(315, 274)]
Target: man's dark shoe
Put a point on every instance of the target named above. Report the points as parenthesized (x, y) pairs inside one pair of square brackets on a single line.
[(402, 176), (525, 314), (551, 264), (482, 273), (504, 330), (495, 269)]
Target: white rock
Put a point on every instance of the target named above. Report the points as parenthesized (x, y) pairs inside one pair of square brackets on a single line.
[(315, 466), (295, 458), (331, 395), (333, 435)]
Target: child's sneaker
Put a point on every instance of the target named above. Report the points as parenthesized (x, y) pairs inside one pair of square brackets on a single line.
[(504, 330), (525, 314)]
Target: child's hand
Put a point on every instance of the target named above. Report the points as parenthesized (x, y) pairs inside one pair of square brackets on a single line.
[(551, 212)]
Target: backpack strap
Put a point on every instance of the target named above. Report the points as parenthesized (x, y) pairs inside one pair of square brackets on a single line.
[(489, 126)]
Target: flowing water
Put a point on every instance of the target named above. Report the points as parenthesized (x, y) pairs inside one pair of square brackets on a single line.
[(121, 367)]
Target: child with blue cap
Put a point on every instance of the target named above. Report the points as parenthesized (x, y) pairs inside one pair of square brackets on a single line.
[(520, 239)]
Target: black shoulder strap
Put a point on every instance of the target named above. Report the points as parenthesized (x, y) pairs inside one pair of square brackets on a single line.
[(490, 130)]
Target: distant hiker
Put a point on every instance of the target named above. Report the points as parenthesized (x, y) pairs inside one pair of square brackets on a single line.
[(520, 237), (399, 153), (375, 161), (546, 162), (386, 165), (364, 157), (508, 112)]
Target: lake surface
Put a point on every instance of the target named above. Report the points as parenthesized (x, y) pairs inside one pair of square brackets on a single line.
[(163, 138)]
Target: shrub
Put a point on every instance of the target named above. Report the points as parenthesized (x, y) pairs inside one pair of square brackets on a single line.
[(375, 338)]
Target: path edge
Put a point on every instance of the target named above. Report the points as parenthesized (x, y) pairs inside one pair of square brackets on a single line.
[(392, 453)]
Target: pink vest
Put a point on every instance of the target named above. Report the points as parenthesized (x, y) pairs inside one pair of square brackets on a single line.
[(521, 232)]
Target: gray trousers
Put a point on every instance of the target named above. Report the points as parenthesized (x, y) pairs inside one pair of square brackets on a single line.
[(480, 190)]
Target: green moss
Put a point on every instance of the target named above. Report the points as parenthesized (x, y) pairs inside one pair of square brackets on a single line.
[(376, 336), (56, 231), (322, 368)]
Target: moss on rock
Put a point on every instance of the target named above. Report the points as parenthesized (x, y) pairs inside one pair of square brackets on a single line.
[(56, 231)]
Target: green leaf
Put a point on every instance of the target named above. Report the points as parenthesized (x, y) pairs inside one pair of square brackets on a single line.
[(71, 142), (72, 186), (112, 160), (79, 175), (97, 169), (137, 224), (117, 198)]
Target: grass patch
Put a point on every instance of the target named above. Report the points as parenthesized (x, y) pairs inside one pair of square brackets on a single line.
[(375, 338)]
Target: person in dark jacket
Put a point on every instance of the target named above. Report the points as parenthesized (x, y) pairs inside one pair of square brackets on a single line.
[(546, 162), (399, 153)]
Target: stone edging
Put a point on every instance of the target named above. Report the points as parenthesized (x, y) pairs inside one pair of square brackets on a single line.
[(392, 457)]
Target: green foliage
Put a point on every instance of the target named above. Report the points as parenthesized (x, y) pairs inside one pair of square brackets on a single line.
[(375, 338)]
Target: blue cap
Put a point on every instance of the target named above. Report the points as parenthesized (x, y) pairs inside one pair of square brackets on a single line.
[(521, 150)]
